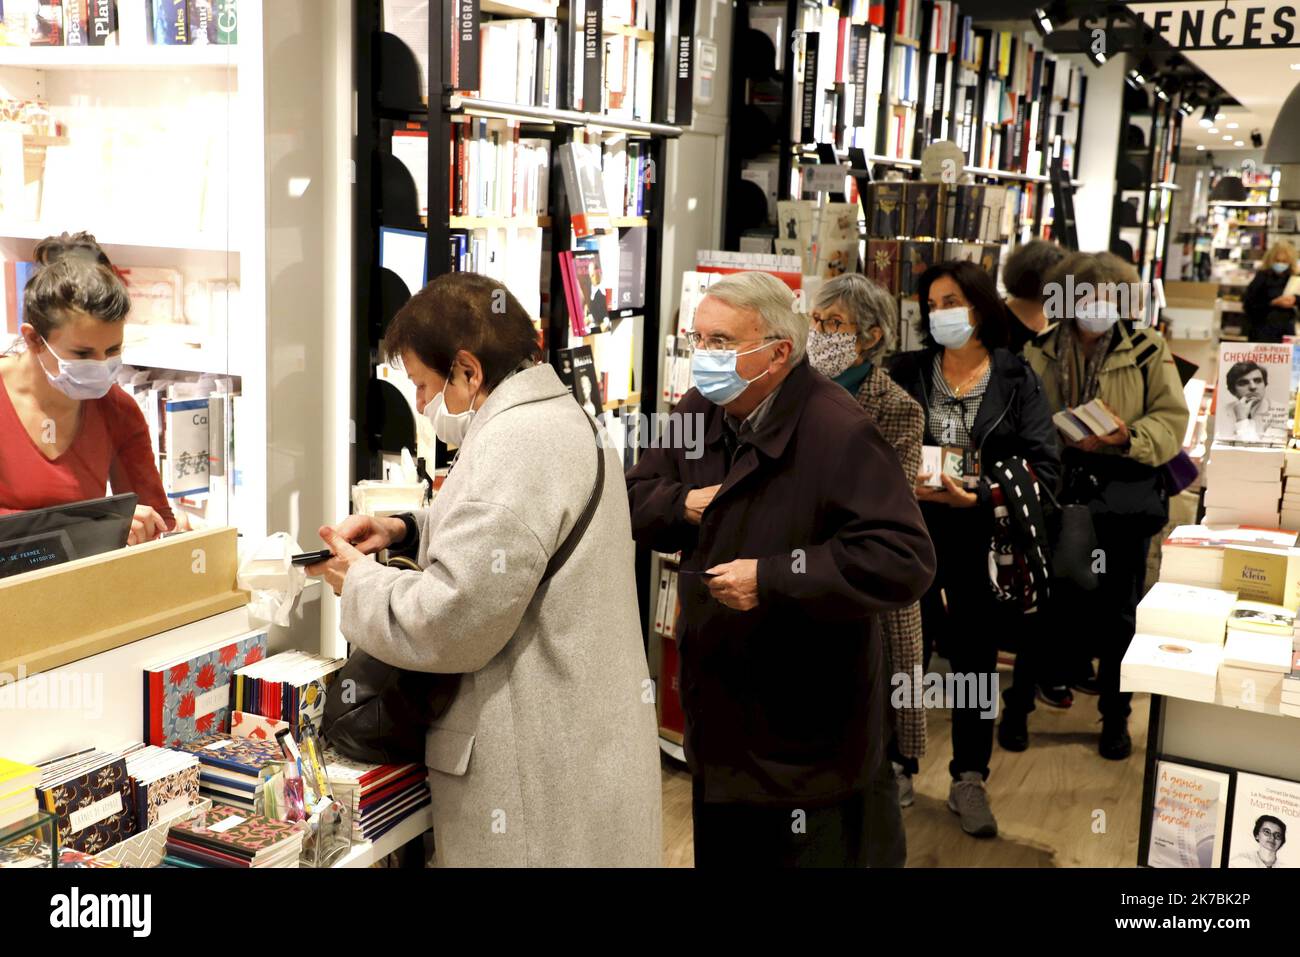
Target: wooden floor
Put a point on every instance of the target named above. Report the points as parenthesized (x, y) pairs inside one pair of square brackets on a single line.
[(1059, 804)]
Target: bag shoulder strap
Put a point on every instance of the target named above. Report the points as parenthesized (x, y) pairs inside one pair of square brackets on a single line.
[(580, 526)]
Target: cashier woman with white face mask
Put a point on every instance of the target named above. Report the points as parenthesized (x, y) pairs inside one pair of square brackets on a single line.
[(67, 432), (548, 755)]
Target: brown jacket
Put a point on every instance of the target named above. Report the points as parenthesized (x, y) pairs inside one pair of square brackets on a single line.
[(902, 422), (786, 702)]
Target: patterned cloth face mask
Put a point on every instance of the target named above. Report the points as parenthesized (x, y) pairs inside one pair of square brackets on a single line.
[(830, 353)]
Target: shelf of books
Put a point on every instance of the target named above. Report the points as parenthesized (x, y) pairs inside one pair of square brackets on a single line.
[(193, 198), (550, 122), (1240, 234), (871, 85), (1217, 645)]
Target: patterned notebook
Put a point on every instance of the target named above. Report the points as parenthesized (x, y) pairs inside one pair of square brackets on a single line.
[(254, 726), (160, 799), (237, 832), (238, 755), (191, 698), (94, 809)]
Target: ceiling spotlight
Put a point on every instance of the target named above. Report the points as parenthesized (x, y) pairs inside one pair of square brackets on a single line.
[(1232, 126), (1042, 22), (1187, 109), (1200, 146), (1135, 79), (1213, 131), (1295, 66), (1097, 57), (1207, 118), (1239, 143), (1227, 136), (1256, 139), (1162, 94)]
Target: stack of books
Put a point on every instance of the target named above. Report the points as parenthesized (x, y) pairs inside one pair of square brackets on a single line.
[(1179, 642), (226, 836), (89, 792), (231, 770), (1244, 485), (287, 687), (17, 792), (381, 795), (1291, 488), (1193, 554), (1256, 656), (1092, 418), (1290, 703), (164, 783)]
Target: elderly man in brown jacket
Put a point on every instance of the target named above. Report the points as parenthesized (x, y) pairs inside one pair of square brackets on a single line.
[(796, 527)]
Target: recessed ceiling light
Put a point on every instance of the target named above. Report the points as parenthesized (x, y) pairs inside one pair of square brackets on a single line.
[(1200, 146), (1239, 143), (1212, 130), (1295, 66), (1227, 136), (1232, 126), (1218, 116)]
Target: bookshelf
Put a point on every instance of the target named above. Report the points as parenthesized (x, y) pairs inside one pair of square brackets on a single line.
[(222, 164), (389, 97)]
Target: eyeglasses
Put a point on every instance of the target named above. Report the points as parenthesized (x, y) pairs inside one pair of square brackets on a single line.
[(720, 344), (831, 325)]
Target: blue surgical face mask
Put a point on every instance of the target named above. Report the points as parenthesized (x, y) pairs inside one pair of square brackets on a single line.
[(1097, 317), (716, 376), (1281, 267), (951, 328)]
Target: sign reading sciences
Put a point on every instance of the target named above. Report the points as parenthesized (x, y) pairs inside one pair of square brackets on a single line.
[(1216, 24)]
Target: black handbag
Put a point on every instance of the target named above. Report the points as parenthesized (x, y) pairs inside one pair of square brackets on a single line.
[(378, 713)]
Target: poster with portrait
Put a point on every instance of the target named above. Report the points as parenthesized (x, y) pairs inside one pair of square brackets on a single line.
[(1250, 403), (1265, 823)]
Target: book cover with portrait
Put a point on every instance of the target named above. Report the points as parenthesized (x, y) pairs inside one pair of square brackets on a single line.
[(1253, 394), (1188, 816), (1265, 822)]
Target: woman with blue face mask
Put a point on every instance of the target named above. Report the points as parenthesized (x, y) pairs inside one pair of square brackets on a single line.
[(1098, 351), (1270, 310), (982, 405), (67, 431)]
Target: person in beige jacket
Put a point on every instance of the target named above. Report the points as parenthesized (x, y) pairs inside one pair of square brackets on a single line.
[(548, 755), (1091, 354)]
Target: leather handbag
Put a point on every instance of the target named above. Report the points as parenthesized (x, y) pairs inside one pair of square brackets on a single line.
[(378, 713)]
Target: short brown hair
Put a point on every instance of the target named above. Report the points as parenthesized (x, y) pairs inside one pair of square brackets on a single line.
[(1027, 267), (75, 276), (463, 310)]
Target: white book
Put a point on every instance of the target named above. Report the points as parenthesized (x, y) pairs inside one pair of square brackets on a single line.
[(1258, 651), (1243, 496), (1190, 808), (1162, 665), (1264, 516), (1249, 689), (1185, 611)]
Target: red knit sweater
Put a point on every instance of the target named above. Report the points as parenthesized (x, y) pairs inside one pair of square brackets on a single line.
[(112, 447)]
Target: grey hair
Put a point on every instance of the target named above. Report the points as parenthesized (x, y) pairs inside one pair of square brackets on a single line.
[(868, 304), (772, 299)]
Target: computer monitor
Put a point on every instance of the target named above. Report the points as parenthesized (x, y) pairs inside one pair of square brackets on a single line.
[(63, 533)]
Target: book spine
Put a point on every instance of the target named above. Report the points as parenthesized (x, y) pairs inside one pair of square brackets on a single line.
[(593, 46), (227, 22), (467, 40), (75, 23), (811, 92), (202, 16), (47, 24), (170, 23), (102, 22)]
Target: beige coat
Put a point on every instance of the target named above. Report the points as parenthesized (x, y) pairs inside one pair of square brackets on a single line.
[(549, 754)]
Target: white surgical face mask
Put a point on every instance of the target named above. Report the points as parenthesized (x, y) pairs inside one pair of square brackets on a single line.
[(82, 379), (1097, 316), (450, 427), (951, 328)]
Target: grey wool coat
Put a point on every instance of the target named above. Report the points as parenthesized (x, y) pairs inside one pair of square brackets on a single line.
[(549, 754)]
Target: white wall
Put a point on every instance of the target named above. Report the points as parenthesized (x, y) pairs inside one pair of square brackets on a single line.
[(1102, 113)]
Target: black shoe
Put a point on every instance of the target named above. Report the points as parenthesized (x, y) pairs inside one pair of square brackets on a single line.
[(1013, 730), (1056, 696), (1086, 686), (1115, 743)]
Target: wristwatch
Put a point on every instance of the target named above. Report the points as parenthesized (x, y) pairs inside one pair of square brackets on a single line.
[(412, 534)]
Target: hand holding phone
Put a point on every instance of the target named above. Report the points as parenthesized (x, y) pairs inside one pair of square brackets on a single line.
[(312, 558)]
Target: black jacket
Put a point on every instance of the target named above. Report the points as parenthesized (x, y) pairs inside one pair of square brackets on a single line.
[(1013, 419), (1265, 321), (785, 703)]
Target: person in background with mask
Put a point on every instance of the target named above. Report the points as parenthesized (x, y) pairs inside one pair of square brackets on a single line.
[(797, 528), (1270, 311), (549, 754), (1094, 355), (67, 431), (987, 405), (853, 322)]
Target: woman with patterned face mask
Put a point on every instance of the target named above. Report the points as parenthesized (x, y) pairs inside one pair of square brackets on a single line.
[(852, 329), (67, 431), (1098, 352)]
